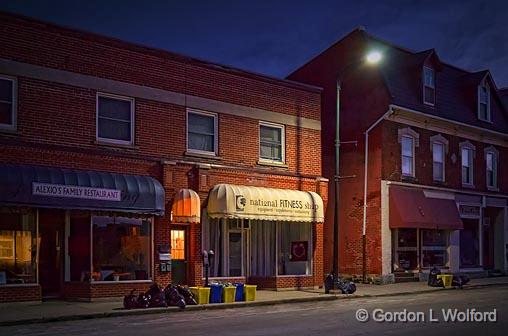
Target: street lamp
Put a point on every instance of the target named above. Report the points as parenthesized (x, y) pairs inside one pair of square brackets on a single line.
[(371, 58)]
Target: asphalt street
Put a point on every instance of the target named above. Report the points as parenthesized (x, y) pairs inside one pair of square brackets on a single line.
[(319, 318)]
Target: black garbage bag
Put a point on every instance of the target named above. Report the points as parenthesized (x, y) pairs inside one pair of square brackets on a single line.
[(155, 297), (142, 301), (460, 280), (130, 301), (187, 295), (433, 281), (348, 287), (328, 283), (173, 298)]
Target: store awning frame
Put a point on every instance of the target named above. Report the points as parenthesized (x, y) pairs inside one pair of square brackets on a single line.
[(410, 208), (186, 207), (60, 188), (259, 203)]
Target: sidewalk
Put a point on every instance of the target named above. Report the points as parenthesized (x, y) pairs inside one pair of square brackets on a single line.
[(64, 311)]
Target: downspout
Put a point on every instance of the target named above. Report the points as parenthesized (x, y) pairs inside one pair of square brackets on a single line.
[(365, 185)]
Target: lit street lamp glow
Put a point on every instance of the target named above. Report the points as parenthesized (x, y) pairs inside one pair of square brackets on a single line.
[(374, 57)]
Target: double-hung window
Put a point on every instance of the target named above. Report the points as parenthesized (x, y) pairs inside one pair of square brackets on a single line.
[(484, 103), (201, 132), (115, 119), (407, 146), (491, 157), (438, 161), (271, 142), (467, 165), (429, 86), (7, 103)]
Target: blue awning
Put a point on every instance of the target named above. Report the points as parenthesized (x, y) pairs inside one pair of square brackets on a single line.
[(50, 187)]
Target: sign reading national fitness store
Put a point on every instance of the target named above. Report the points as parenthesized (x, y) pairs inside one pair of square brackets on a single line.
[(233, 201)]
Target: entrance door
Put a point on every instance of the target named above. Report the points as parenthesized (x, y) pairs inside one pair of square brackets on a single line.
[(178, 257), (488, 244), (51, 232), (406, 256)]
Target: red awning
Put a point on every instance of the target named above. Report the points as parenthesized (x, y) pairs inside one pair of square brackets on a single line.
[(409, 208)]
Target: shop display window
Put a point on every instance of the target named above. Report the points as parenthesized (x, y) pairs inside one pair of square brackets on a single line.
[(294, 248), (121, 248), (18, 247)]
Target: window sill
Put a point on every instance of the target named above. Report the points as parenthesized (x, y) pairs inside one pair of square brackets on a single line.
[(8, 130), (492, 189), (468, 186), (202, 155), (114, 145), (100, 282), (406, 178), (429, 104), (440, 183), (21, 285), (485, 120), (272, 164)]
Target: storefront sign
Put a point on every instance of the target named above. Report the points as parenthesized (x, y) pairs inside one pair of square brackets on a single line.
[(67, 191), (275, 206), (469, 211)]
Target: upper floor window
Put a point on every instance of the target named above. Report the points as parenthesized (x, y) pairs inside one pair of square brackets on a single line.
[(484, 103), (408, 139), (467, 156), (439, 147), (491, 162), (7, 103), (271, 142), (202, 132), (438, 159), (429, 86), (408, 155), (115, 119)]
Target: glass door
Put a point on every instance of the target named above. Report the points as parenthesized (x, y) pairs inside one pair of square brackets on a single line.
[(406, 250), (178, 257)]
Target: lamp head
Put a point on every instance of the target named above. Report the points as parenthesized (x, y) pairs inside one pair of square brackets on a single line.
[(373, 57)]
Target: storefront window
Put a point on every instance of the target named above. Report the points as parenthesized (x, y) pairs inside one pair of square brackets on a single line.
[(434, 248), (262, 248), (121, 248), (406, 249), (79, 247), (294, 253), (18, 247)]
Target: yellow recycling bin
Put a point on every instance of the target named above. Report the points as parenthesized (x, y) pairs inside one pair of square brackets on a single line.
[(250, 292), (447, 279), (228, 294), (201, 294)]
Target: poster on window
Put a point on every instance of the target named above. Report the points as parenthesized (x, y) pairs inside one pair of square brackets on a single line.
[(299, 250)]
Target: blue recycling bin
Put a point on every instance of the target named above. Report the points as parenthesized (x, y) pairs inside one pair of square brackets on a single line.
[(239, 292), (215, 293)]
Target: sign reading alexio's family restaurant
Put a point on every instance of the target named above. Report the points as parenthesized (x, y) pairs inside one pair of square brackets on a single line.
[(68, 191)]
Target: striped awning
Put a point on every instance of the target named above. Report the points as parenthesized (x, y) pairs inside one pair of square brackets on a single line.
[(234, 201), (186, 207)]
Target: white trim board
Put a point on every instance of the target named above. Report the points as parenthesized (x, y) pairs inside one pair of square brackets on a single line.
[(14, 68)]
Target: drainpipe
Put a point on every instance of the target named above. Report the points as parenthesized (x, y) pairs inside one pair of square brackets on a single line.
[(365, 185)]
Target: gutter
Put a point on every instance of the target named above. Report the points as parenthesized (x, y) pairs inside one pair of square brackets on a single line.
[(365, 187)]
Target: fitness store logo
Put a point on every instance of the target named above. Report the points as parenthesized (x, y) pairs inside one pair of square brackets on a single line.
[(240, 202)]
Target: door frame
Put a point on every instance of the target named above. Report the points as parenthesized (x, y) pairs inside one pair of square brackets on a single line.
[(186, 235)]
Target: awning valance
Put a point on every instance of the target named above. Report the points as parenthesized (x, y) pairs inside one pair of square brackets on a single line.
[(50, 187), (234, 201), (410, 208), (186, 207)]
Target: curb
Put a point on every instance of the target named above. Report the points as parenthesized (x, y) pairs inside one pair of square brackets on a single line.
[(215, 306)]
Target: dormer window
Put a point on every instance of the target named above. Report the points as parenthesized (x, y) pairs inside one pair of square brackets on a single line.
[(484, 103), (429, 86)]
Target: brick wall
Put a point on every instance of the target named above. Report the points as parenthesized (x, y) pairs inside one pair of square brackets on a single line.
[(20, 293)]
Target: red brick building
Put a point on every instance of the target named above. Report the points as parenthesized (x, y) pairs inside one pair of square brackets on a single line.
[(114, 156), (433, 187)]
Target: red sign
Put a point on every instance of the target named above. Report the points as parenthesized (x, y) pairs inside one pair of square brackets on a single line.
[(299, 250)]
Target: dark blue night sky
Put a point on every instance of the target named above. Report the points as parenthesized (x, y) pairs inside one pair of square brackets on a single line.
[(276, 37)]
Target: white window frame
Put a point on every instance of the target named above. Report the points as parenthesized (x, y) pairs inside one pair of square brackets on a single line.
[(415, 138), (132, 121), (424, 85), (439, 139), (469, 146), (14, 104), (489, 116), (282, 138), (215, 132), (443, 162), (495, 157)]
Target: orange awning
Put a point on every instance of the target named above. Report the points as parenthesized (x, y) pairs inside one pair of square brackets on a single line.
[(409, 208), (186, 207)]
